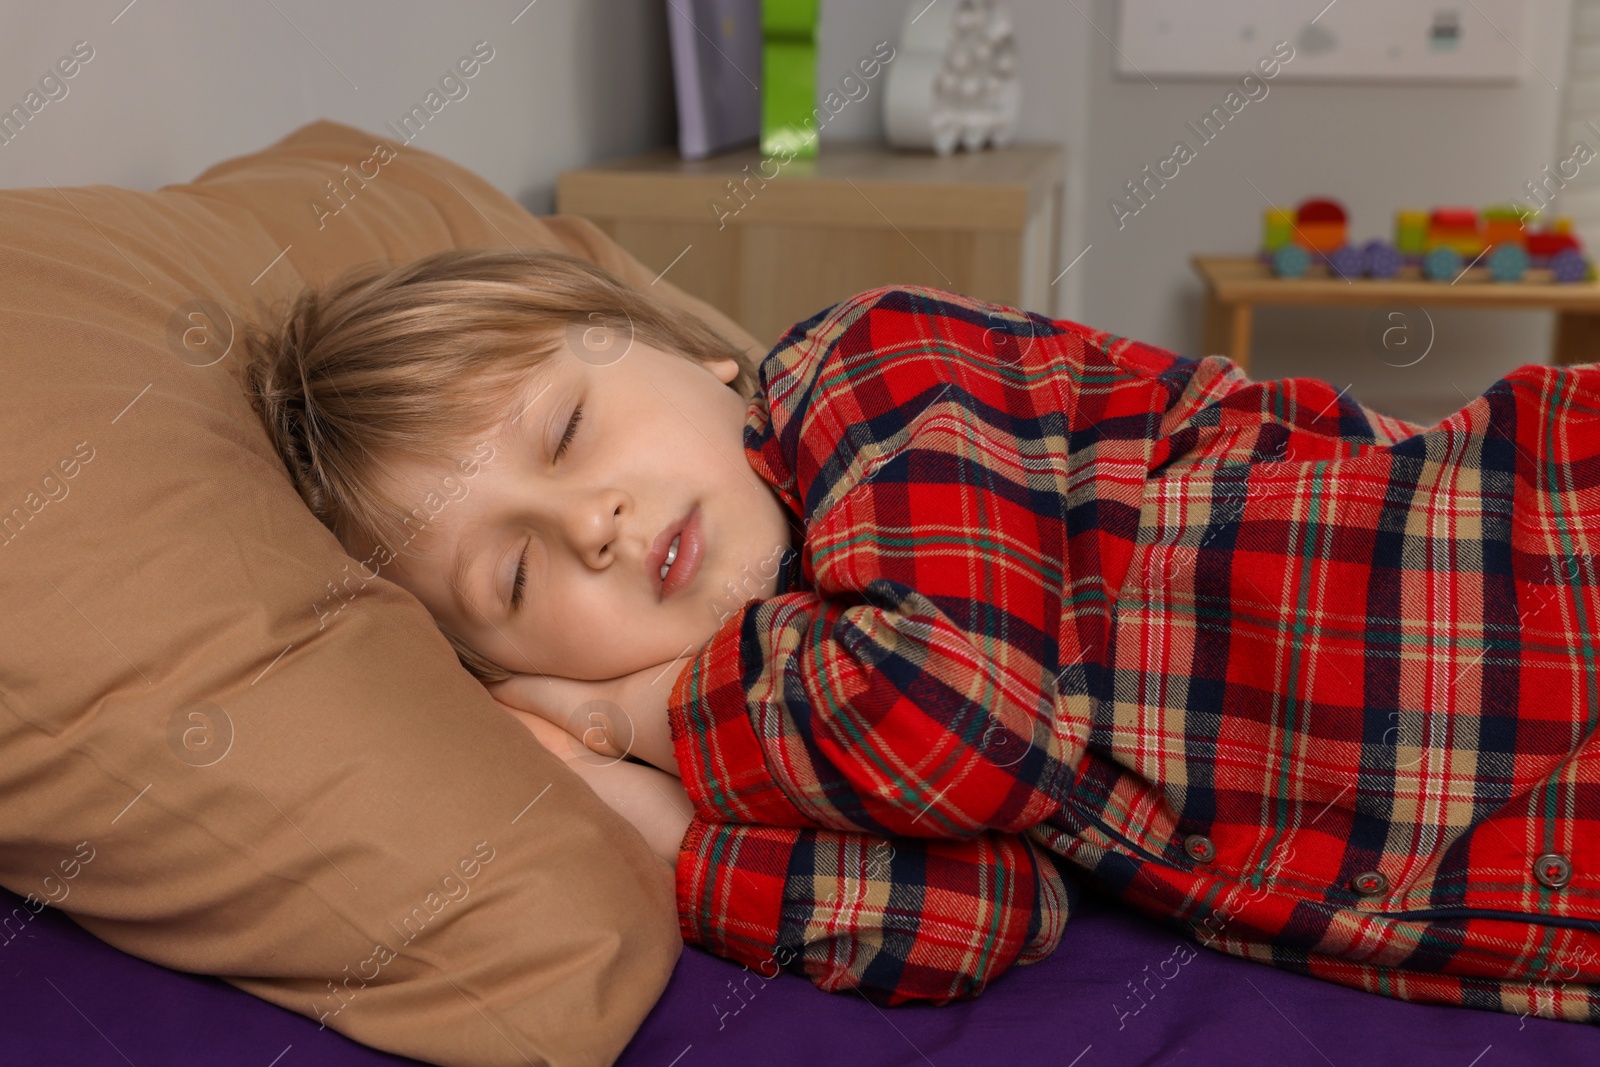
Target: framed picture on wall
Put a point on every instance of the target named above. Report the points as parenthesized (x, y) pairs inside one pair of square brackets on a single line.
[(1348, 40)]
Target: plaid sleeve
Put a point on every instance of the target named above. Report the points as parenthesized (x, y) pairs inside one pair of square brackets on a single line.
[(911, 690), (896, 919), (863, 754)]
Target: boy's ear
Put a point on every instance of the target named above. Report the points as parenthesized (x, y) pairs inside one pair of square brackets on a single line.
[(725, 369)]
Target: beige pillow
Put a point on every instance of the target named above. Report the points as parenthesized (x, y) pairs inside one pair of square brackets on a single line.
[(282, 773)]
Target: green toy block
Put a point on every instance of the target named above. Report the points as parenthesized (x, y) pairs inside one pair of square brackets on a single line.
[(1277, 228), (789, 77), (1503, 213), (1411, 232)]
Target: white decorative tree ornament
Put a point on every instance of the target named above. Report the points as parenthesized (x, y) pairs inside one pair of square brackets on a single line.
[(954, 81)]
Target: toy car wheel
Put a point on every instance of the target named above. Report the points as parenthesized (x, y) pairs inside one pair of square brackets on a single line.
[(1291, 261), (1379, 259), (1507, 263), (1346, 262), (1442, 265), (1569, 265)]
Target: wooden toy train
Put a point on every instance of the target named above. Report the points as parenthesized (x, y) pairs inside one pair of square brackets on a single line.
[(1442, 243)]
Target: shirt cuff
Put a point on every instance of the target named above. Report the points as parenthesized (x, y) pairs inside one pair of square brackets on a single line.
[(721, 761), (730, 885)]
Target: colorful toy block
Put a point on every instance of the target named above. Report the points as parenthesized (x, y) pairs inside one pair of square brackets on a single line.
[(1443, 243), (1321, 225)]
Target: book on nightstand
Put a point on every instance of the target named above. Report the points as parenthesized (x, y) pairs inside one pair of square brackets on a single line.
[(716, 68)]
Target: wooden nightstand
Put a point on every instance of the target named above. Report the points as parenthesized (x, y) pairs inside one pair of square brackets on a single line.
[(773, 244)]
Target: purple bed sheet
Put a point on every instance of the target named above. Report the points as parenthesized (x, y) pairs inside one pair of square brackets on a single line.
[(66, 998)]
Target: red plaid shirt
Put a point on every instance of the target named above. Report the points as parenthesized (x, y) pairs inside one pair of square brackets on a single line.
[(1315, 685)]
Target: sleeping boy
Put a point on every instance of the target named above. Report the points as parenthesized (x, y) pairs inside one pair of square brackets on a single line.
[(945, 599)]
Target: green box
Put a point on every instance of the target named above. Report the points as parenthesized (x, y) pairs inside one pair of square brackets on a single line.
[(789, 77)]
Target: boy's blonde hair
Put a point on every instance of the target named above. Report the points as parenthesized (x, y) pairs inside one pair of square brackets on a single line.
[(421, 361)]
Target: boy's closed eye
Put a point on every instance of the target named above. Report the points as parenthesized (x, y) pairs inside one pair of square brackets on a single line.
[(520, 580)]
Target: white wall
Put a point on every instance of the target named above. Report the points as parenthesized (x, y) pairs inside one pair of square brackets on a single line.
[(1375, 147), (176, 85), (1580, 120), (1055, 46)]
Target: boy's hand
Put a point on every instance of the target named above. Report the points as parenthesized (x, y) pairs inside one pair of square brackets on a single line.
[(568, 717), (551, 736), (613, 718), (653, 802)]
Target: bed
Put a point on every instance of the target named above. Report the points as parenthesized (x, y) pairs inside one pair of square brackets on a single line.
[(72, 999)]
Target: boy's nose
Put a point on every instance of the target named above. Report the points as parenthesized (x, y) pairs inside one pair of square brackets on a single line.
[(596, 525)]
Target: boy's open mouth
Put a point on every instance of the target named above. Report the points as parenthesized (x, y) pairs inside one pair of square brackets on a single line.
[(675, 553), (672, 554)]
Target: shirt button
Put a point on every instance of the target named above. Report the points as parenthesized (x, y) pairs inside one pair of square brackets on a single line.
[(1369, 883), (1553, 870), (1200, 848)]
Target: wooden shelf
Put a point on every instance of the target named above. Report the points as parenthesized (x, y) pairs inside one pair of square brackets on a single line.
[(1237, 279), (1236, 284)]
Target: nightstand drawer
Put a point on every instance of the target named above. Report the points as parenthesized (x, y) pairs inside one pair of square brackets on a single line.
[(771, 245)]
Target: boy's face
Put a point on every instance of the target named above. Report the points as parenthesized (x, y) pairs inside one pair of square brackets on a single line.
[(660, 441)]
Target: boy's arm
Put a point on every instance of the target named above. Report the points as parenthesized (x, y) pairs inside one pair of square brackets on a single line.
[(653, 801), (897, 919), (650, 799), (960, 469)]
